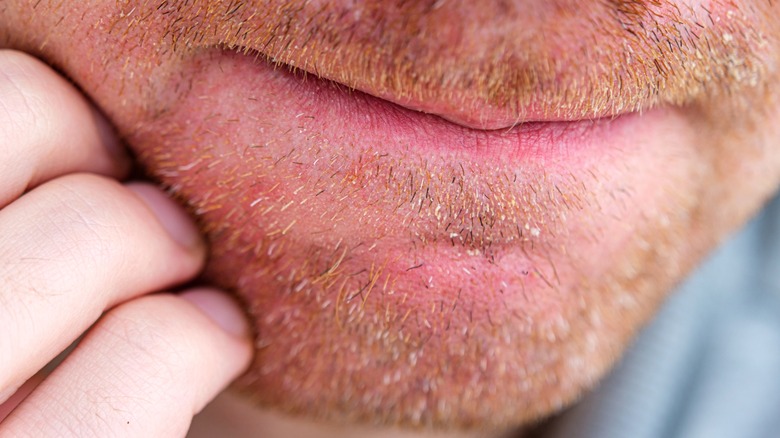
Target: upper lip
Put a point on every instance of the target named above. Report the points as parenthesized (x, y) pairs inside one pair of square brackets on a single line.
[(459, 106), (543, 74)]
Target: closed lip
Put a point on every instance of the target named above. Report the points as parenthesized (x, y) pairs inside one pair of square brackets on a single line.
[(554, 68), (458, 108), (549, 142)]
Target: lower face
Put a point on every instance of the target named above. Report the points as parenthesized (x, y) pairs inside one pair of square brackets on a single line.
[(403, 269)]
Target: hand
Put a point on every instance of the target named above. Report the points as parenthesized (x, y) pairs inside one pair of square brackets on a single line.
[(79, 255)]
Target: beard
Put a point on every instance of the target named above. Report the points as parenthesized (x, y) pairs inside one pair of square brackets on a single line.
[(403, 269)]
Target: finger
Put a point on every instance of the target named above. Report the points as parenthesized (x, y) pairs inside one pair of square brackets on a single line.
[(48, 129), (72, 248), (19, 394), (144, 370)]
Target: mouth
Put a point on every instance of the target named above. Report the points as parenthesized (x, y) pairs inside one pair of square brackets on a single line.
[(455, 107), (436, 126), (562, 67)]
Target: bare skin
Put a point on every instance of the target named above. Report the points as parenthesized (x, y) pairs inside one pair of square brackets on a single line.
[(436, 215)]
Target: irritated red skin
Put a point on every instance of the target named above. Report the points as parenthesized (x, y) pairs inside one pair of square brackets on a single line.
[(404, 269)]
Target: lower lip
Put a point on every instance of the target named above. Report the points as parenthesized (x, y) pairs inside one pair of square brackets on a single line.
[(360, 230)]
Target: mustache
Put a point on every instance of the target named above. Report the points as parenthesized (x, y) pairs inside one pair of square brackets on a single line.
[(522, 60)]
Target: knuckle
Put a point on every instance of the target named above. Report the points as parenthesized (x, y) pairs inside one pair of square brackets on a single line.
[(73, 232), (25, 107), (155, 335), (150, 344), (78, 219)]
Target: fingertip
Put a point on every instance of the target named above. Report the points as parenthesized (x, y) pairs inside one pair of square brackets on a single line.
[(120, 157), (222, 309), (171, 216)]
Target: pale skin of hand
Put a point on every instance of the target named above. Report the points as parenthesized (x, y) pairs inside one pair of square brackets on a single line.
[(85, 254)]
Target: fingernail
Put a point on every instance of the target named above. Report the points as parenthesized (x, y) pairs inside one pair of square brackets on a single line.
[(171, 216), (221, 308), (110, 139)]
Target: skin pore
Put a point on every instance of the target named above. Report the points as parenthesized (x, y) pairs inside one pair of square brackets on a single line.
[(402, 269)]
